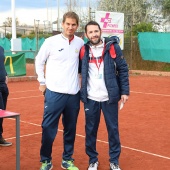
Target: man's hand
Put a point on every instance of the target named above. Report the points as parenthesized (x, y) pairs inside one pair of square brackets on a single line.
[(6, 81), (42, 88), (124, 98)]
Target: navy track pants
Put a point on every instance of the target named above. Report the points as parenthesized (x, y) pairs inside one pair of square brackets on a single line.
[(92, 112), (55, 105)]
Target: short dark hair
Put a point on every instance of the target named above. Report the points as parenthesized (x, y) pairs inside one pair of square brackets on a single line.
[(72, 15), (91, 23)]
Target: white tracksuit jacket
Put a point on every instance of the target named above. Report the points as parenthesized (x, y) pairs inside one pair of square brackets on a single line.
[(61, 58)]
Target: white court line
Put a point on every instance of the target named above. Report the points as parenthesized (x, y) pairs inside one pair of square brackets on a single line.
[(24, 91), (25, 135), (167, 95), (149, 153), (101, 141), (25, 97)]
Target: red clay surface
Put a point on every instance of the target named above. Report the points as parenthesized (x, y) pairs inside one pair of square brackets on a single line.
[(144, 125)]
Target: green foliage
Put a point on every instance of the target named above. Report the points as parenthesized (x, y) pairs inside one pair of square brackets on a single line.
[(166, 67), (19, 35), (9, 36), (40, 35), (45, 35), (30, 36), (142, 27), (166, 7)]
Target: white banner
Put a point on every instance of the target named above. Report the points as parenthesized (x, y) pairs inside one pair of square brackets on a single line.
[(112, 24)]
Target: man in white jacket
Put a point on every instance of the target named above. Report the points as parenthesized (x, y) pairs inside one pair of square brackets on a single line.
[(59, 82)]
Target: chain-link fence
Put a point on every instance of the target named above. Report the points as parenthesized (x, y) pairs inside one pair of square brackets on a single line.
[(135, 62), (132, 53)]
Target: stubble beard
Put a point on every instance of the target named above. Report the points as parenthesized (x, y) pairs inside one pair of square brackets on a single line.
[(95, 43)]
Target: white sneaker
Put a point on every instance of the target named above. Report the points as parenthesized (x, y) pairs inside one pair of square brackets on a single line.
[(114, 166), (93, 166)]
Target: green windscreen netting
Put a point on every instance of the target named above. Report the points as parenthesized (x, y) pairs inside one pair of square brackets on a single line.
[(155, 46), (29, 45)]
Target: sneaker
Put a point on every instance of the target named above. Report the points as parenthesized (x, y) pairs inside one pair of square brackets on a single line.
[(3, 142), (93, 166), (68, 165), (46, 166), (114, 166)]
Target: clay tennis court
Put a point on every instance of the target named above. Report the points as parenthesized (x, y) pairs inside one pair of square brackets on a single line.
[(144, 125)]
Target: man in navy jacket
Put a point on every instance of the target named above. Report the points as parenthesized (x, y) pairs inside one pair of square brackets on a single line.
[(105, 82), (3, 94)]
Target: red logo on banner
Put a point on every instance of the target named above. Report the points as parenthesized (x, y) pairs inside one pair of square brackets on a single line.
[(106, 20)]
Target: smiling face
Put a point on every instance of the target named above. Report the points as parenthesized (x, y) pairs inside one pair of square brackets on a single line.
[(93, 33), (69, 26)]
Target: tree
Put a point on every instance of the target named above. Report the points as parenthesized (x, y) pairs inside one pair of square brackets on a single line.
[(166, 7), (158, 14), (138, 11), (74, 5), (8, 22), (138, 7), (135, 11), (142, 27), (71, 5), (163, 6), (84, 11)]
